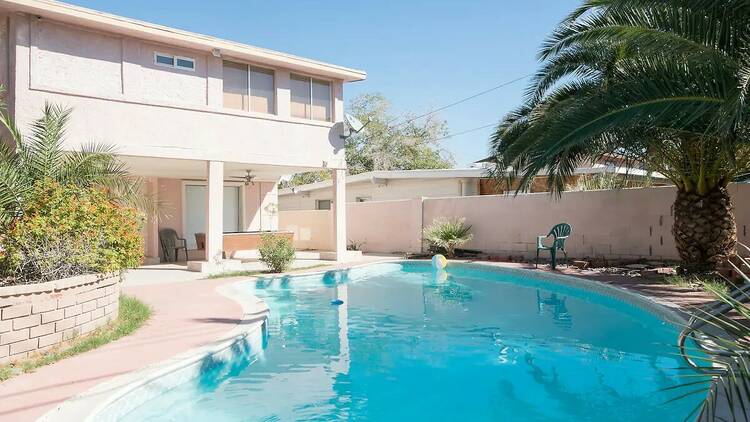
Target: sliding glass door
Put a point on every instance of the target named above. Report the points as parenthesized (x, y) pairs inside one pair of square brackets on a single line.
[(195, 211)]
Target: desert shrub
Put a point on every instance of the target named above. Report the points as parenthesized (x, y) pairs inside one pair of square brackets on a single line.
[(63, 231), (277, 252), (447, 234), (354, 245)]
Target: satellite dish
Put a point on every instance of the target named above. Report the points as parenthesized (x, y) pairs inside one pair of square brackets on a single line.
[(353, 123)]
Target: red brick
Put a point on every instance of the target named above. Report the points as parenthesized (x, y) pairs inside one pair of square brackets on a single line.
[(42, 330), (27, 321), (14, 336), (16, 311), (24, 346), (72, 310), (53, 316), (45, 306), (51, 339), (88, 306), (65, 324)]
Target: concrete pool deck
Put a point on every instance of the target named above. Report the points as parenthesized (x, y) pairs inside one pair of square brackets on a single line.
[(189, 314)]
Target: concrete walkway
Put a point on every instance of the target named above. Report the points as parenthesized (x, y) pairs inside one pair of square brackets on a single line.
[(184, 318)]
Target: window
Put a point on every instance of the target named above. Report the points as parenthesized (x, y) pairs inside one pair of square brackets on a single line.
[(322, 204), (311, 98), (301, 97), (176, 62), (248, 88), (261, 90), (235, 86)]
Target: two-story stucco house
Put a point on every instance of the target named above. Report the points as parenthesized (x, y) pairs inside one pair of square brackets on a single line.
[(189, 112)]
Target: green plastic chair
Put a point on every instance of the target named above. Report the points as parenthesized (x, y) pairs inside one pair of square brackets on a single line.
[(559, 233)]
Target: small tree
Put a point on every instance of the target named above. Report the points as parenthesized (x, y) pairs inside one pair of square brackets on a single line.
[(448, 234), (276, 252)]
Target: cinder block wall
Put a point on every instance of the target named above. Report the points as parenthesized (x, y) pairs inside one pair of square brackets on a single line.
[(38, 317), (618, 224)]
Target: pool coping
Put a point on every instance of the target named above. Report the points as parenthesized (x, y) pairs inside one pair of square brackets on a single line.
[(94, 404), (90, 405)]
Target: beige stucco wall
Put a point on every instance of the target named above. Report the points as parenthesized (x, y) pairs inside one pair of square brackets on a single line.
[(313, 229), (629, 223), (394, 189), (120, 97)]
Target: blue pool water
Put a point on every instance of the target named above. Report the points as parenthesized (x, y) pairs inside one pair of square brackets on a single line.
[(409, 344)]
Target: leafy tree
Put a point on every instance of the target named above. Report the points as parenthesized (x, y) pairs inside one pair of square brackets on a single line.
[(662, 82), (386, 144)]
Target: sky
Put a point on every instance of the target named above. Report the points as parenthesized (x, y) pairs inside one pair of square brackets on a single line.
[(420, 54)]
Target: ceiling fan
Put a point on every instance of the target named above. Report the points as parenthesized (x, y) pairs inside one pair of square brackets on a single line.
[(248, 178)]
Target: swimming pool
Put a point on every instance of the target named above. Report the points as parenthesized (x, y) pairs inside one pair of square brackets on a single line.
[(473, 343)]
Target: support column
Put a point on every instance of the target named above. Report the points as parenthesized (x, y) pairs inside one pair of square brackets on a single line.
[(339, 213), (214, 211), (152, 226)]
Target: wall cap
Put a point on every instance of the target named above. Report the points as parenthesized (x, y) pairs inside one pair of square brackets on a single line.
[(57, 285)]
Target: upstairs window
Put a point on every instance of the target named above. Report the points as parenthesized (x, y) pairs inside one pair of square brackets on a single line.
[(249, 88), (311, 98), (175, 62)]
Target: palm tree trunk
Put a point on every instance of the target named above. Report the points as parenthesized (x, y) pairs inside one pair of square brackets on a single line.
[(704, 229)]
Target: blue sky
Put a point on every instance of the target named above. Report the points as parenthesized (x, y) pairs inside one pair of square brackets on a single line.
[(421, 54)]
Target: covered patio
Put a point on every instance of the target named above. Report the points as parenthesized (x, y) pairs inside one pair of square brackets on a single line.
[(219, 210)]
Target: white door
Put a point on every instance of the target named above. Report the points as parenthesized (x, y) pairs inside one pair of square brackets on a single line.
[(195, 211)]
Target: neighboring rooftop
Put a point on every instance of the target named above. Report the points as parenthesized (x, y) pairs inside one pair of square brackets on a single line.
[(76, 15), (382, 176)]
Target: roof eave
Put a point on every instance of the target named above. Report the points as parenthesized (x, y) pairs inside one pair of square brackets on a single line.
[(89, 18)]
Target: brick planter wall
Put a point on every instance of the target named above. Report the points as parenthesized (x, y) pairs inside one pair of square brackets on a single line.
[(36, 317)]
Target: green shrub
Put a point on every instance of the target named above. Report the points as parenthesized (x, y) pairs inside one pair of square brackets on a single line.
[(277, 252), (65, 231), (448, 234)]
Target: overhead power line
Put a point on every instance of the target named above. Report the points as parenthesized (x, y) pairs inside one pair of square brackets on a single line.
[(463, 100), (451, 135)]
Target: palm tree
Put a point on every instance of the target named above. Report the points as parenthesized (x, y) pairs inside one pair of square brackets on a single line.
[(660, 82), (25, 160)]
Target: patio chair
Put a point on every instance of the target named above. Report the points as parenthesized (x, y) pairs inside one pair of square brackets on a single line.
[(170, 243), (559, 233)]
